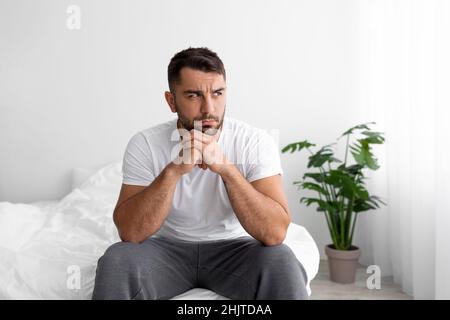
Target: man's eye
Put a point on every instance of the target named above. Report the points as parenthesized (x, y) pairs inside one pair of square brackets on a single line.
[(193, 95), (218, 93)]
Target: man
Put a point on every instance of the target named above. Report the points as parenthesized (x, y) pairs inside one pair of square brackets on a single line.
[(202, 202)]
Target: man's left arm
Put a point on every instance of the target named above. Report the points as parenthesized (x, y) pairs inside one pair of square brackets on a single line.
[(260, 206)]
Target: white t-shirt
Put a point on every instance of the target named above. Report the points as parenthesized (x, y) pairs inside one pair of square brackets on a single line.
[(201, 209)]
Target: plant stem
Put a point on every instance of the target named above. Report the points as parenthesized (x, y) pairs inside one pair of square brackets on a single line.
[(353, 228), (332, 189), (332, 219), (348, 242), (332, 233), (325, 186)]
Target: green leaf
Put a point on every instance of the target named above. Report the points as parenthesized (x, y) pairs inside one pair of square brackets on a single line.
[(362, 154), (373, 137), (297, 146), (361, 206), (318, 177), (372, 162), (325, 154), (377, 200), (333, 159), (314, 187), (345, 184), (358, 127), (373, 202), (298, 184), (322, 205), (353, 170), (318, 160)]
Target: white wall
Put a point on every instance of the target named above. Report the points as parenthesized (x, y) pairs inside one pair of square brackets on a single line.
[(74, 98)]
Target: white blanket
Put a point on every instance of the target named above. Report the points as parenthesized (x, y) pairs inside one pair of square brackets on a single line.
[(43, 245)]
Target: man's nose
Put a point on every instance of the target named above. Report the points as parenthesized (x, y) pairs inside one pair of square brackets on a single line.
[(207, 105)]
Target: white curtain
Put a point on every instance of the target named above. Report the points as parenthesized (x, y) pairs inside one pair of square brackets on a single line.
[(404, 85)]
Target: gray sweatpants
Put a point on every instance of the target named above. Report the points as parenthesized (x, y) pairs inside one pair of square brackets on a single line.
[(240, 268)]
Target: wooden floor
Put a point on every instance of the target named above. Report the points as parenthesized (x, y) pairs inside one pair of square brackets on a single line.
[(324, 289)]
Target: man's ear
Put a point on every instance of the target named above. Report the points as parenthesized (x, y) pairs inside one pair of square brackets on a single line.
[(170, 98)]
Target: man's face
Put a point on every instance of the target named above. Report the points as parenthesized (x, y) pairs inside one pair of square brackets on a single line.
[(198, 97)]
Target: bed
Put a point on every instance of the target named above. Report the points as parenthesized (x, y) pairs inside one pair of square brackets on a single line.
[(49, 249)]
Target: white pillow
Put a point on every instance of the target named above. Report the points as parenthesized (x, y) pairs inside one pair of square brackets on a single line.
[(81, 174)]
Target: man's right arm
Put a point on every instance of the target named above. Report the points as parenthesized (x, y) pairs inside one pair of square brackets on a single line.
[(140, 211)]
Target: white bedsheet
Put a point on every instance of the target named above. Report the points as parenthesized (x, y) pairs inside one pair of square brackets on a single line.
[(40, 242)]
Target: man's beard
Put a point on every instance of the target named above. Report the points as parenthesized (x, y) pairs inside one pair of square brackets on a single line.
[(207, 129)]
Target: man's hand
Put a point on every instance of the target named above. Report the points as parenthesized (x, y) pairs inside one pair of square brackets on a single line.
[(200, 149), (212, 156), (189, 156)]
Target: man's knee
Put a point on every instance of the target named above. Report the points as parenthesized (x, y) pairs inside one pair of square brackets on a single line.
[(119, 255), (115, 269), (272, 256), (281, 265)]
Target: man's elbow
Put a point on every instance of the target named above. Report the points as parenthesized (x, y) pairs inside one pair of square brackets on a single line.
[(278, 234), (128, 237), (128, 234), (125, 234), (276, 238)]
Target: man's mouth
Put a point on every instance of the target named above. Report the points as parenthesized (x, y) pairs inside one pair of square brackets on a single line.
[(208, 122)]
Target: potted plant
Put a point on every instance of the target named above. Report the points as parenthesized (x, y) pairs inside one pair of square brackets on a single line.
[(341, 193)]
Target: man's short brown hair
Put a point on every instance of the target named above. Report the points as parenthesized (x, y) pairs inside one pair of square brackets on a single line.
[(202, 59)]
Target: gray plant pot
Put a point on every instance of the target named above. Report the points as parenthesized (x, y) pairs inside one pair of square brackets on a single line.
[(342, 263)]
